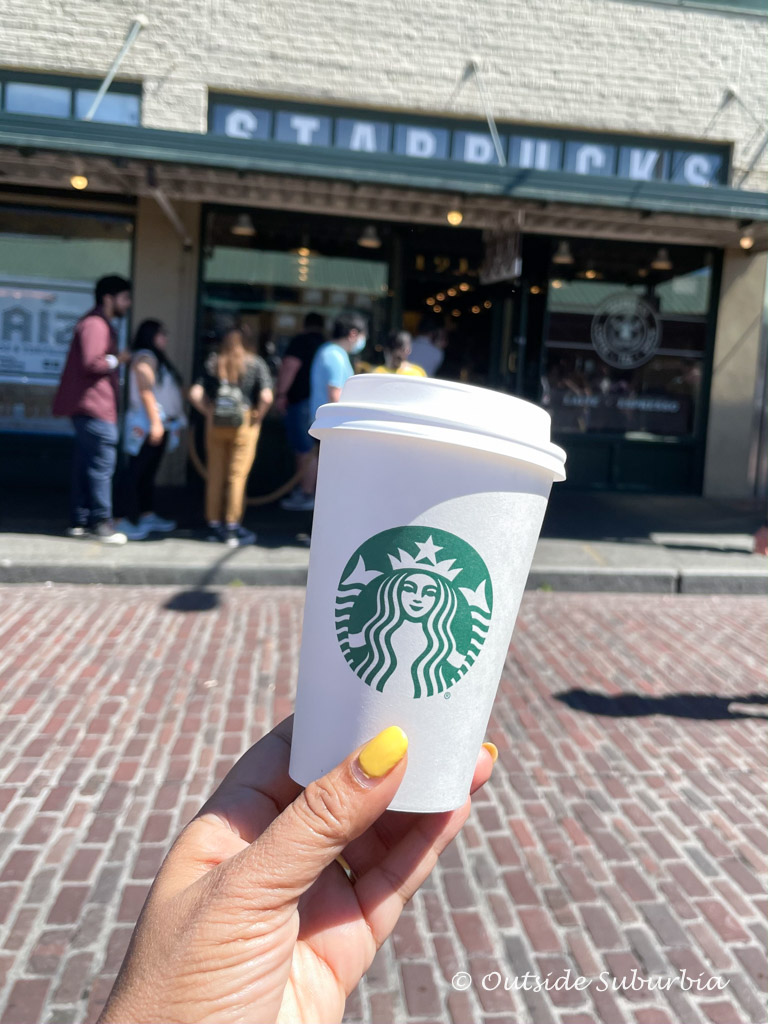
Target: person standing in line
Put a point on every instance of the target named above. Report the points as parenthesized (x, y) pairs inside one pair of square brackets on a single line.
[(428, 347), (397, 349), (234, 394), (293, 401), (88, 394), (332, 367), (153, 422)]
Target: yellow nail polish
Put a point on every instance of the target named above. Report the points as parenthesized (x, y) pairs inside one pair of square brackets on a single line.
[(382, 753), (493, 750)]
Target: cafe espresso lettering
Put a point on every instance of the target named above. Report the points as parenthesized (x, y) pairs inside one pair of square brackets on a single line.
[(524, 147)]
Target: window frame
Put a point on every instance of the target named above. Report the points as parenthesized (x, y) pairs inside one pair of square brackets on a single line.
[(71, 82), (744, 8)]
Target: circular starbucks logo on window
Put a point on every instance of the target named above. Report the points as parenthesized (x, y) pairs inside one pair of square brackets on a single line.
[(625, 331), (413, 609)]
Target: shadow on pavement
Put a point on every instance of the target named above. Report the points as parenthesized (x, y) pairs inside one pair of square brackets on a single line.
[(199, 598), (194, 600), (619, 516), (679, 705)]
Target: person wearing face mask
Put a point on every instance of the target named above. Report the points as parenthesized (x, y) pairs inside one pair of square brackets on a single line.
[(331, 369)]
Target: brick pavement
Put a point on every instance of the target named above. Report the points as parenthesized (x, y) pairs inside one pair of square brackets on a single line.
[(607, 841)]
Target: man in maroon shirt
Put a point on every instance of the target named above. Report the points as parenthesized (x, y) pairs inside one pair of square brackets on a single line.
[(88, 393)]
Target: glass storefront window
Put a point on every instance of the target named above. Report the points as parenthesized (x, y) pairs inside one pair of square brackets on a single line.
[(26, 94), (625, 339), (31, 98), (268, 271), (49, 263), (115, 107)]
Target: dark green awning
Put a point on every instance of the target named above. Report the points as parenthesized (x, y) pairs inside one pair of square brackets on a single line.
[(192, 148)]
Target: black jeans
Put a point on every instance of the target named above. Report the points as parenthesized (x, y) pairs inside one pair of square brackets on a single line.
[(93, 466), (137, 494)]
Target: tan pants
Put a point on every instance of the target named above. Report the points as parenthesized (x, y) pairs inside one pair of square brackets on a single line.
[(230, 454)]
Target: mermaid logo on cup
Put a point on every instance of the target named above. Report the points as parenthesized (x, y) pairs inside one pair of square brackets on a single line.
[(413, 610)]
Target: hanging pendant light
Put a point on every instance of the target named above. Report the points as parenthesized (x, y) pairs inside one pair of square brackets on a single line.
[(369, 239), (661, 260), (244, 226), (79, 179), (747, 239), (563, 256), (590, 273)]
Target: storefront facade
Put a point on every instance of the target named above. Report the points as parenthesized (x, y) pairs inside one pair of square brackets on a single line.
[(617, 278)]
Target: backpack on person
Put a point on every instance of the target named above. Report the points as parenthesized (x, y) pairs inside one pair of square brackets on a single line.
[(229, 406)]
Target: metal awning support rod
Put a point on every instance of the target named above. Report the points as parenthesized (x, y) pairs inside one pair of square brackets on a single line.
[(138, 23), (473, 69)]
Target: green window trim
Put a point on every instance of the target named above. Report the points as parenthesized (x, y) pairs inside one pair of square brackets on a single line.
[(161, 146), (753, 8)]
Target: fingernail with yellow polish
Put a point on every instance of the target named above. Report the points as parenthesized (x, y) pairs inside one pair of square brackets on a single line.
[(383, 752), (493, 750)]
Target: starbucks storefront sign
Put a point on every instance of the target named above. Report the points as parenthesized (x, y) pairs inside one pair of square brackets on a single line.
[(524, 146)]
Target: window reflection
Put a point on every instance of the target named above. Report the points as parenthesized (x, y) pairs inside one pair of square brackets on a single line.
[(120, 105), (115, 107), (625, 344), (43, 100)]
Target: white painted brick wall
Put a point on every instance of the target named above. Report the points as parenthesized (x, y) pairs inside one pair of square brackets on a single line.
[(606, 64)]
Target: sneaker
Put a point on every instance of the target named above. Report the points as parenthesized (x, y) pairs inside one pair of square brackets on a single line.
[(300, 502), (292, 497), (107, 534), (217, 534), (131, 530), (238, 536), (77, 531), (156, 524)]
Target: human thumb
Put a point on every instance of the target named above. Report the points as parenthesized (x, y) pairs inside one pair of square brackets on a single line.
[(312, 831)]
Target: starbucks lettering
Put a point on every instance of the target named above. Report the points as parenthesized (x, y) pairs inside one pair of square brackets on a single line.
[(429, 504)]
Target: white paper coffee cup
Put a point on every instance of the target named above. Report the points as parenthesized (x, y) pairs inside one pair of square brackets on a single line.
[(429, 503)]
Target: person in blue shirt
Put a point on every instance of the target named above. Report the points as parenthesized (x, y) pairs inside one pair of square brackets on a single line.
[(331, 368)]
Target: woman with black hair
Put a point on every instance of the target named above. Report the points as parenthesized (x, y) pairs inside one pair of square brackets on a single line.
[(152, 424)]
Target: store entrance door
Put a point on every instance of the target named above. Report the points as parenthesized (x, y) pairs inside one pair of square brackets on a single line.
[(442, 294)]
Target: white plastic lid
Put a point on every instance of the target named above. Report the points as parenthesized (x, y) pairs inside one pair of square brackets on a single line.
[(438, 410)]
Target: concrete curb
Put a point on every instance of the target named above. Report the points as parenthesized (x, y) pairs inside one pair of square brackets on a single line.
[(609, 580), (112, 574), (710, 581), (574, 579)]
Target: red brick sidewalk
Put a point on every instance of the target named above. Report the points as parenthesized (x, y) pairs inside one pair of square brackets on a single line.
[(617, 834)]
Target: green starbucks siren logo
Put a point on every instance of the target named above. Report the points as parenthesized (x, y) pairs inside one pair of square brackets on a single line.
[(413, 610)]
